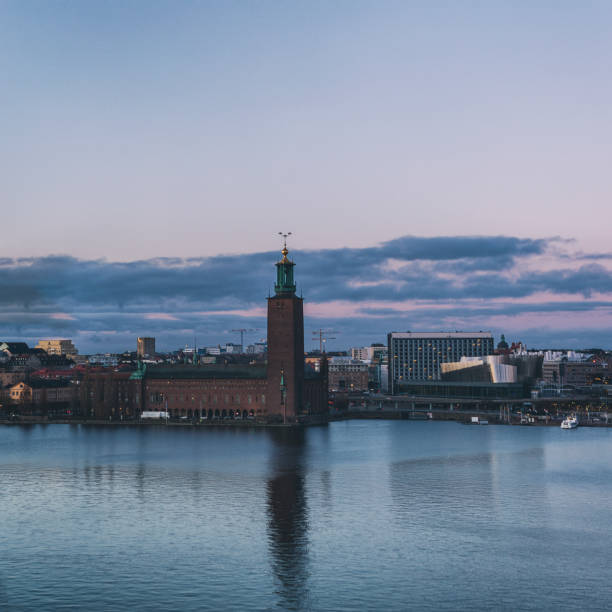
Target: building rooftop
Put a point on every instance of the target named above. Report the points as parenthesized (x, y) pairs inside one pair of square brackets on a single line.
[(207, 371), (442, 335), (15, 347)]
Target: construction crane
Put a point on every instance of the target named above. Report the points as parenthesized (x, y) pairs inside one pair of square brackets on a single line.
[(323, 336), (242, 331)]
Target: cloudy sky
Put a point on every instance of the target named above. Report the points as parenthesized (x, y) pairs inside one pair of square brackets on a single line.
[(443, 165)]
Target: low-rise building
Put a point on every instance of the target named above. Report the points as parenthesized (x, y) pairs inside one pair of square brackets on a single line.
[(232, 348), (41, 392), (8, 379), (573, 369), (107, 360), (346, 374), (257, 348)]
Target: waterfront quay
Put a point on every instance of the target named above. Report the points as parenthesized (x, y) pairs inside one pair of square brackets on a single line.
[(78, 418), (515, 411)]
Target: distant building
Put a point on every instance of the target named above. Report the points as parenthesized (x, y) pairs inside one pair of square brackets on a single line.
[(502, 345), (57, 347), (361, 353), (283, 389), (418, 356), (257, 348), (369, 353), (11, 378), (383, 376), (10, 349), (233, 349), (573, 369), (23, 362), (107, 360), (145, 347), (346, 374), (42, 392), (489, 369)]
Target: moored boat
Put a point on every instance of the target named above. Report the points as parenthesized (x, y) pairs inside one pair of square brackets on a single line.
[(570, 422)]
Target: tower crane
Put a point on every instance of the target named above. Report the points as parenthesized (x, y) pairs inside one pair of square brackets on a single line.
[(242, 331), (323, 336)]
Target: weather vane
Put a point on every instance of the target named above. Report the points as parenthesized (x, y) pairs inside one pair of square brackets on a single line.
[(284, 238)]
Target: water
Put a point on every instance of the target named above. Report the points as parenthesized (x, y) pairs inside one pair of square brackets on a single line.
[(378, 515)]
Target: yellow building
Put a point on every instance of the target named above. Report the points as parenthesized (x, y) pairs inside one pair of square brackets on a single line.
[(57, 347), (21, 393)]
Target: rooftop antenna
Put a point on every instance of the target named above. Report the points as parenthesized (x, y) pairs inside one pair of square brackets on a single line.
[(285, 236)]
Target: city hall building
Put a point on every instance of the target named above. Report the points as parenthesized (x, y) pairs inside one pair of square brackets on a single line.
[(417, 356), (283, 389)]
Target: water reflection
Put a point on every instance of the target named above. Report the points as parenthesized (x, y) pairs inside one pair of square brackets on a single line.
[(288, 518), (4, 602)]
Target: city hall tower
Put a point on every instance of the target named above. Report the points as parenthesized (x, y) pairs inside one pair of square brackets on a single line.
[(285, 344)]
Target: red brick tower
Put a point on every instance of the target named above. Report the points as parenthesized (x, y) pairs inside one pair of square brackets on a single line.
[(285, 345)]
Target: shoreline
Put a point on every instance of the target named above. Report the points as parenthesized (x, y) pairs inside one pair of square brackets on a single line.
[(462, 419)]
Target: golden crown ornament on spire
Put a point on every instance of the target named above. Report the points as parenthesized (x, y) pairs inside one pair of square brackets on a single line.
[(285, 250)]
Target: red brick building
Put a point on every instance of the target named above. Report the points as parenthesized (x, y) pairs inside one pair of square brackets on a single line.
[(282, 390)]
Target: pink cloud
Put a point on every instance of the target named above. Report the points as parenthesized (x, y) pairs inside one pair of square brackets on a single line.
[(160, 316)]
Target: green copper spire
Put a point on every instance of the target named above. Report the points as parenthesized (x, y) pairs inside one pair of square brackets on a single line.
[(285, 285), (139, 372)]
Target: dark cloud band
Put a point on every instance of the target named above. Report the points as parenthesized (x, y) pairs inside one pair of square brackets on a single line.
[(101, 296)]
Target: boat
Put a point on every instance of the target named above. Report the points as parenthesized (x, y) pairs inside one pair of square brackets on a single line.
[(570, 422)]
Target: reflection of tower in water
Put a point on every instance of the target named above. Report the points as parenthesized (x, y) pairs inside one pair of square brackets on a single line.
[(288, 518)]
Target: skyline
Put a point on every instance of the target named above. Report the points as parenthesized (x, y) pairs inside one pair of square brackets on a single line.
[(458, 152), (543, 292)]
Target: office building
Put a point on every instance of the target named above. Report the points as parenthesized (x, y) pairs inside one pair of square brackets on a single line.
[(418, 356), (146, 347)]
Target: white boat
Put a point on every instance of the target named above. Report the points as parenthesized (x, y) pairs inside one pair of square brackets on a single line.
[(570, 422)]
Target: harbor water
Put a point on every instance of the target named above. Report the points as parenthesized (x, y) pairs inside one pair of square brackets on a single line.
[(358, 515)]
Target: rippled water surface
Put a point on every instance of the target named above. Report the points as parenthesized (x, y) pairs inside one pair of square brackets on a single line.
[(386, 515)]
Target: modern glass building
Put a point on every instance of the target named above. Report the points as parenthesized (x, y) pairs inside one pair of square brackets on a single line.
[(417, 356)]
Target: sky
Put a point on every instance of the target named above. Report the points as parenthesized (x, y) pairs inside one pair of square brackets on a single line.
[(442, 165)]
